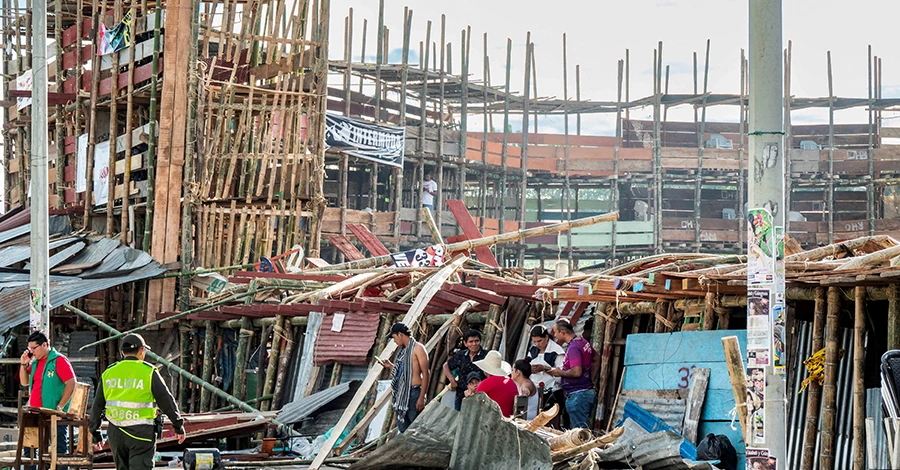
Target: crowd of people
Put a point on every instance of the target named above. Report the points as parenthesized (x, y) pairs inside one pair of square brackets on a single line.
[(559, 368)]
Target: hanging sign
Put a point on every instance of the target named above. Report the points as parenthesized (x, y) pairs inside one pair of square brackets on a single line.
[(381, 144)]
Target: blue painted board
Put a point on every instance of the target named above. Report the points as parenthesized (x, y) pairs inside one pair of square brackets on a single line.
[(673, 376), (679, 348)]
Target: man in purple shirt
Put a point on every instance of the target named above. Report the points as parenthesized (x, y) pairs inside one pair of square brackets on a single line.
[(576, 375)]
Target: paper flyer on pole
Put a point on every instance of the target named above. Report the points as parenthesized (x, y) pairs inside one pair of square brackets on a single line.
[(761, 240), (759, 459), (756, 403)]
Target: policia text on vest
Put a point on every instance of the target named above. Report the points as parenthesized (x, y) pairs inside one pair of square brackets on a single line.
[(129, 393)]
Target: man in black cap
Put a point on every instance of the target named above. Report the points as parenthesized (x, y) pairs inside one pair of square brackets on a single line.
[(408, 376), (128, 395)]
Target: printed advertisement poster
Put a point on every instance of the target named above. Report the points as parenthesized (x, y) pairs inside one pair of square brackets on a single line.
[(759, 459), (756, 403), (761, 242), (432, 256)]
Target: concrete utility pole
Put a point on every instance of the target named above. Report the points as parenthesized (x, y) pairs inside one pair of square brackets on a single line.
[(766, 203), (40, 207)]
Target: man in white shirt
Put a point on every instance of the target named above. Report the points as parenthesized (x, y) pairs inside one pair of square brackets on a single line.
[(429, 189)]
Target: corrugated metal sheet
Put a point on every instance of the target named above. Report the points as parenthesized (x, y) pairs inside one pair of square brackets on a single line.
[(636, 448), (667, 405), (297, 410), (876, 412), (351, 344), (118, 265)]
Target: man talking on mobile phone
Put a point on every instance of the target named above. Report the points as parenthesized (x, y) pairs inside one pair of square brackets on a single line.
[(50, 379)]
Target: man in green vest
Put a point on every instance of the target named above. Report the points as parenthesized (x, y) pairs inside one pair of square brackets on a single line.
[(128, 395), (51, 381)]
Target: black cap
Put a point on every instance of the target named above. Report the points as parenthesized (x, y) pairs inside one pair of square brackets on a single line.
[(474, 376), (133, 343), (399, 328)]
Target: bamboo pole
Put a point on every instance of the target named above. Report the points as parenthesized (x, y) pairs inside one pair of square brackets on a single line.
[(709, 308), (698, 184), (465, 43), (209, 358), (151, 144), (870, 157), (814, 394), (485, 241), (439, 177), (829, 198), (245, 333), (504, 155), (568, 195), (618, 145), (523, 182), (893, 334), (829, 389), (272, 365), (871, 259), (859, 386), (60, 123), (129, 136), (840, 248)]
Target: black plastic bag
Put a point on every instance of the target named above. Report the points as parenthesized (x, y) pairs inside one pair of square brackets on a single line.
[(718, 447)]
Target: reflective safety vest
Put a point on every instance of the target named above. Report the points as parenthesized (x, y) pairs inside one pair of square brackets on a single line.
[(127, 387)]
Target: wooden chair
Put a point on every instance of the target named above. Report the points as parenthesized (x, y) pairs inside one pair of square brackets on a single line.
[(38, 428)]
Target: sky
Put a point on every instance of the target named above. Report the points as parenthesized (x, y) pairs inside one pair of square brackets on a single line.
[(598, 33)]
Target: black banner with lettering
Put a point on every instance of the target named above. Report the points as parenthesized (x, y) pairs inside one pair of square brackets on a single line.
[(380, 144)]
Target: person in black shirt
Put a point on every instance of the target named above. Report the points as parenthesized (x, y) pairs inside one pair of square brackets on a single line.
[(462, 361)]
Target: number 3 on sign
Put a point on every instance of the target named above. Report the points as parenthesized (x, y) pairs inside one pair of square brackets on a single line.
[(685, 374)]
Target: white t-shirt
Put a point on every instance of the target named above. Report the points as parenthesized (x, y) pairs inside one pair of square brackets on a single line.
[(550, 382), (427, 197)]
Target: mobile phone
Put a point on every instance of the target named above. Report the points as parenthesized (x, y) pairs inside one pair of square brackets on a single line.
[(30, 354)]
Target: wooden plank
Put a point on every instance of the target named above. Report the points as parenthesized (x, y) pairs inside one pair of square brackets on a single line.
[(696, 397), (368, 240), (470, 230), (346, 248), (415, 312)]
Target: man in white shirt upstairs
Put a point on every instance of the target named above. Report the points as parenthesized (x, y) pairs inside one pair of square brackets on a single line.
[(429, 189)]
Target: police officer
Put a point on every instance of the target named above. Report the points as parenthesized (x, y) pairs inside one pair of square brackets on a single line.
[(128, 395)]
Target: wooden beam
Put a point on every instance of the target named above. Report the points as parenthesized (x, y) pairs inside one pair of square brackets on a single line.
[(368, 240), (735, 363), (470, 230), (342, 243), (859, 386), (696, 397)]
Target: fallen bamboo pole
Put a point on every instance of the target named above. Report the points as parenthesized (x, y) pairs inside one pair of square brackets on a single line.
[(485, 241), (835, 249), (193, 378), (871, 259), (202, 308)]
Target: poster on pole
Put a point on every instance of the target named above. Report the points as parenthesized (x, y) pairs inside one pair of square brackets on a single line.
[(24, 82), (761, 243), (380, 144), (758, 327), (759, 459), (756, 403)]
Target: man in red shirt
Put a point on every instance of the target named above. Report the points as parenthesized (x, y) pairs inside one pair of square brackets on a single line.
[(50, 378), (498, 386)]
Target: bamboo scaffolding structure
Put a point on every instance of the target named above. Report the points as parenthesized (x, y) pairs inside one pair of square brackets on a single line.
[(815, 390), (829, 389)]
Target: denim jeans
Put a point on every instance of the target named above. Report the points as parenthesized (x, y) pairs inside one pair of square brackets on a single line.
[(428, 206), (579, 405), (404, 421)]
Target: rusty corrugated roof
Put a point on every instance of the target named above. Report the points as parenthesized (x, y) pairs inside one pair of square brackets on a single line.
[(351, 344)]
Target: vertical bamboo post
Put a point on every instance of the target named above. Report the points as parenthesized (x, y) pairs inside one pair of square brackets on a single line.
[(188, 175), (60, 122), (113, 133), (439, 178), (709, 312), (859, 386), (129, 115), (615, 181), (657, 157), (788, 139), (893, 334), (482, 209), (701, 140), (184, 387), (404, 77), (245, 333), (814, 391), (741, 149), (829, 389), (151, 144), (870, 155), (423, 121), (578, 98), (523, 182), (534, 86), (465, 42), (568, 195), (380, 52), (830, 195), (348, 58), (209, 357), (272, 366), (92, 133), (504, 160)]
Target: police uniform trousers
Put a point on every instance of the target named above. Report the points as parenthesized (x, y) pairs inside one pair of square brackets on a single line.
[(130, 453)]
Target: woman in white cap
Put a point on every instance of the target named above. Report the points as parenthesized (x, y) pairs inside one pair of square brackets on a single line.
[(498, 385)]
